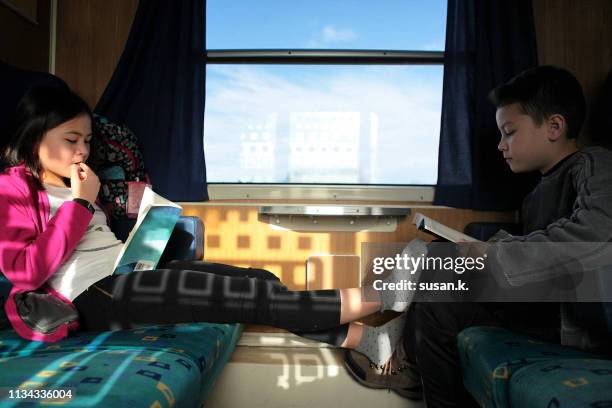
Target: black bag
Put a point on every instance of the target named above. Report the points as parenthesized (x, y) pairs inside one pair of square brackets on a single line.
[(43, 312)]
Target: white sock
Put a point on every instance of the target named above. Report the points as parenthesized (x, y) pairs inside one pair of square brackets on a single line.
[(399, 300), (378, 343)]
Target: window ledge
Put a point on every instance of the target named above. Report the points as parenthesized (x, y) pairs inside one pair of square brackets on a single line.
[(413, 194)]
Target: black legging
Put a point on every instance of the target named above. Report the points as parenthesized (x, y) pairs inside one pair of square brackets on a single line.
[(197, 291)]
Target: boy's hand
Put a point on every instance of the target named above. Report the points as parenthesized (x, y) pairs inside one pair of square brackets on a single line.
[(84, 183), (473, 249)]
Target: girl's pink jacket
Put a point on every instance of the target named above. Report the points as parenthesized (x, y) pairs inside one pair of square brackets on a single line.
[(32, 247)]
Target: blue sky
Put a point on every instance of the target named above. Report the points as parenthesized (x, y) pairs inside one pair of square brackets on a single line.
[(361, 24), (405, 100)]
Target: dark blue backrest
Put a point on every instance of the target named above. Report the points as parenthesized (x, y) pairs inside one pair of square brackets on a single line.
[(5, 288), (14, 83)]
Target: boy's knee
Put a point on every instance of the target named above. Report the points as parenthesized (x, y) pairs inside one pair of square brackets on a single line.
[(438, 316)]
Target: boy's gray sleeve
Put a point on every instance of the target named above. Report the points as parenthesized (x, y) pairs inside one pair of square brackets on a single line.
[(583, 238)]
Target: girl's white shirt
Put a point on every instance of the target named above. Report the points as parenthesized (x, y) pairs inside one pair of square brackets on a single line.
[(93, 258)]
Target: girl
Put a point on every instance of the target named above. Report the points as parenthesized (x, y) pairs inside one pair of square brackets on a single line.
[(55, 240)]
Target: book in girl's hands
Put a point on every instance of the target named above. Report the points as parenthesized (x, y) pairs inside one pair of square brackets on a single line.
[(146, 242), (439, 230)]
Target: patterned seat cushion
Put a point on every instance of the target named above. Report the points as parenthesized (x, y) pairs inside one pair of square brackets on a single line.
[(563, 383), (491, 355), (165, 365)]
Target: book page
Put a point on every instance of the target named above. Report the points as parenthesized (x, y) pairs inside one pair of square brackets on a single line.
[(157, 217)]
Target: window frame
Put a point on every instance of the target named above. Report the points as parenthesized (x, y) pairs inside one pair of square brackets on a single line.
[(324, 57), (290, 191)]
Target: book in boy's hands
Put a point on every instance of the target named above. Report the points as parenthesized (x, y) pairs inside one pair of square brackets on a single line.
[(439, 230), (146, 242)]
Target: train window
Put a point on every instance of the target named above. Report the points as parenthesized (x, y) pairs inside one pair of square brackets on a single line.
[(322, 124), (323, 92)]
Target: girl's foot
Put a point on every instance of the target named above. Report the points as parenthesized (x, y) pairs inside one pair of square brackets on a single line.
[(398, 300), (379, 343)]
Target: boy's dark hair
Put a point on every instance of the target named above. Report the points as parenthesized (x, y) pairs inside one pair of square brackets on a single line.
[(543, 91), (41, 109)]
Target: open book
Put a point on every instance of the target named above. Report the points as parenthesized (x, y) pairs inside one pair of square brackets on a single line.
[(433, 227), (146, 242)]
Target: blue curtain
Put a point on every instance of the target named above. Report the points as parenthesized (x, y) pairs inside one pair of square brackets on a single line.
[(487, 42), (157, 90)]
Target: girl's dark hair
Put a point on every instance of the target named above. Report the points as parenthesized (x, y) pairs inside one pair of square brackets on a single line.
[(543, 91), (41, 109)]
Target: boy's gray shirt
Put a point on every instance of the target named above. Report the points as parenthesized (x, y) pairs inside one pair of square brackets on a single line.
[(572, 203)]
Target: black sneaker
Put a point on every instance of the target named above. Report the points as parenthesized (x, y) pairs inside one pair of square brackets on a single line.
[(397, 374)]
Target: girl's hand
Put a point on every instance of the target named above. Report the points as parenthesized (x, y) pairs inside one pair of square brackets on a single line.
[(84, 183)]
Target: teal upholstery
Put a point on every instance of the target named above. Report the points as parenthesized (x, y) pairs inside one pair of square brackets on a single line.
[(156, 366), (570, 383), (490, 356)]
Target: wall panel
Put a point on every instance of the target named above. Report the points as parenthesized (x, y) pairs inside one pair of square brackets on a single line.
[(576, 35), (23, 43), (91, 35)]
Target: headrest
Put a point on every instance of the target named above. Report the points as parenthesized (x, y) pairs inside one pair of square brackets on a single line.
[(601, 114)]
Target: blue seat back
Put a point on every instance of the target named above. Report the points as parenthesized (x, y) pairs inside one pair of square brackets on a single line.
[(5, 288)]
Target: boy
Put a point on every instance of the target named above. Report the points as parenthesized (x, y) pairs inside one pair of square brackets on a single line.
[(539, 114)]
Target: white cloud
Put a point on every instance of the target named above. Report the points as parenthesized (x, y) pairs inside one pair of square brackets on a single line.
[(330, 34)]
